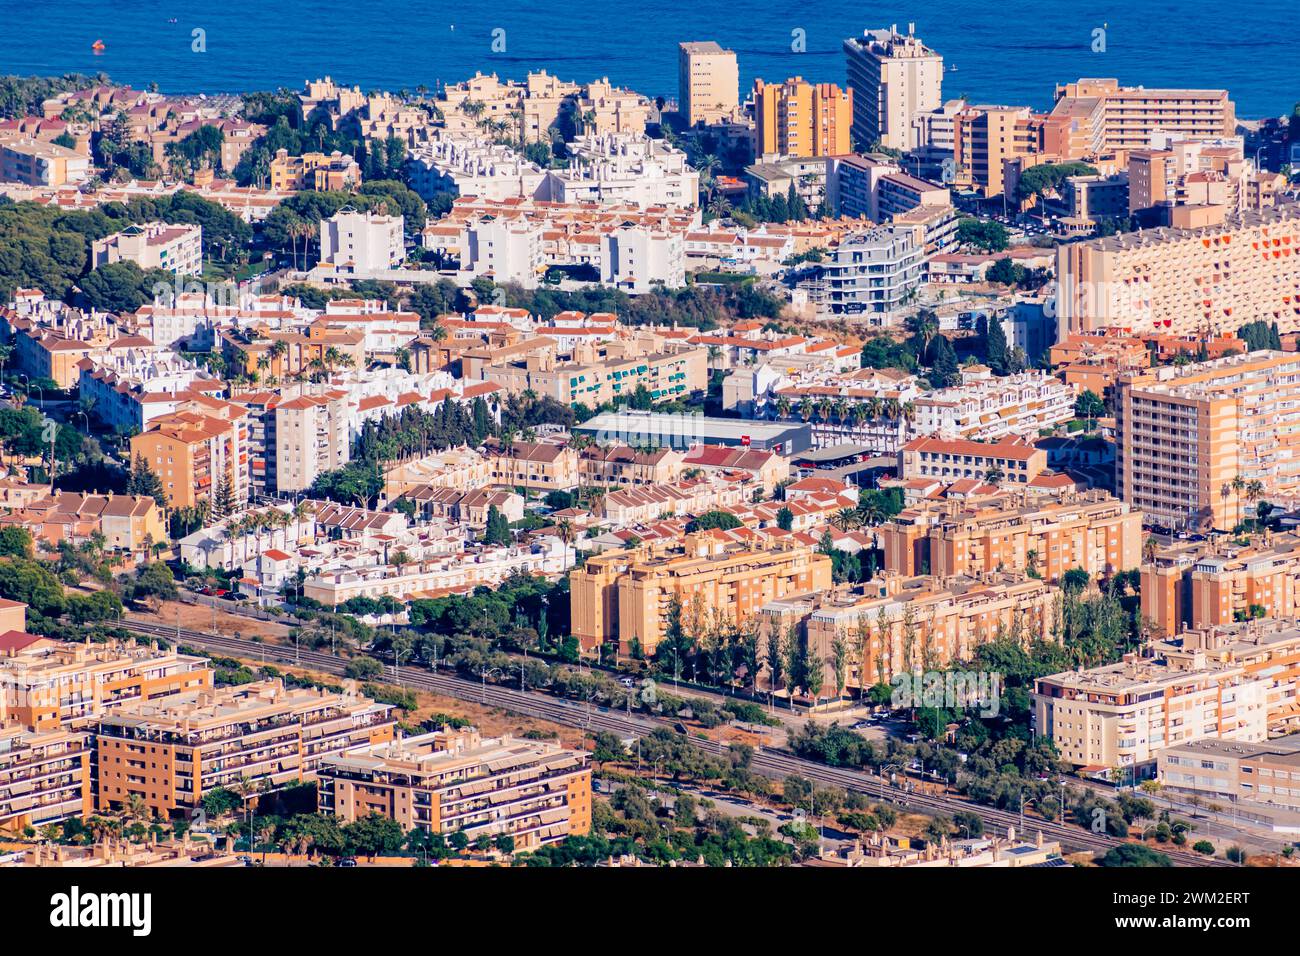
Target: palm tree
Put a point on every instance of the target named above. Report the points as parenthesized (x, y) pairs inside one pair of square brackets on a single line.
[(846, 519), (566, 533)]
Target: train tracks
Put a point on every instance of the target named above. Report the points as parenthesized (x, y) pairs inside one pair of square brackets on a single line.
[(588, 716)]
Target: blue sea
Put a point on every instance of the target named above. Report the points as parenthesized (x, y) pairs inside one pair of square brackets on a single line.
[(1013, 51)]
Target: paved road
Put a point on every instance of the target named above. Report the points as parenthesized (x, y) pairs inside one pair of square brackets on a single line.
[(592, 718)]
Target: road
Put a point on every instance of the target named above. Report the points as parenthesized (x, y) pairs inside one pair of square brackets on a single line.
[(594, 718)]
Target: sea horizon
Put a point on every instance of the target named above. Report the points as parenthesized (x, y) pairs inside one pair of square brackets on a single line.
[(1013, 53)]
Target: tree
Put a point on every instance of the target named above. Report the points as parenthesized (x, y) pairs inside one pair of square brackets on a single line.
[(1134, 855), (723, 520), (1005, 272), (943, 363), (1075, 580), (785, 519), (144, 481), (154, 579), (15, 542), (995, 347), (1089, 405), (497, 529)]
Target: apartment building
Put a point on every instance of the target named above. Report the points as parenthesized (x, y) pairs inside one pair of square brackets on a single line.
[(44, 777), (1095, 361), (153, 245), (1187, 433), (1235, 683), (1249, 775), (536, 466), (1197, 282), (893, 77), (46, 684), (798, 118), (874, 273), (198, 452), (708, 82), (453, 781), (1099, 115), (459, 571), (38, 163), (985, 138), (624, 596), (1092, 531), (311, 436), (649, 503), (623, 168), (878, 189), (594, 375), (988, 407), (361, 242), (469, 164), (638, 260), (898, 624), (1010, 460), (174, 751), (1208, 584), (315, 171)]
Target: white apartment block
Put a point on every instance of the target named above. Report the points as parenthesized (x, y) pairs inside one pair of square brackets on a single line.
[(153, 245), (988, 407), (504, 251), (361, 242), (894, 77), (636, 169), (874, 273), (636, 259), (311, 436), (129, 389), (473, 166)]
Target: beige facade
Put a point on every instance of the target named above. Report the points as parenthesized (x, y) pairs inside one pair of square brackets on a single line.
[(1208, 584), (534, 791), (708, 82), (1236, 683), (44, 777), (625, 596), (173, 752), (153, 245), (1106, 117), (47, 684), (1186, 434), (893, 78), (1017, 462), (1232, 771), (311, 436), (1093, 531), (537, 466), (895, 624), (1197, 281)]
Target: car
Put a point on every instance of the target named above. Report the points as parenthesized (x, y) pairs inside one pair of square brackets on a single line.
[(347, 861), (627, 682)]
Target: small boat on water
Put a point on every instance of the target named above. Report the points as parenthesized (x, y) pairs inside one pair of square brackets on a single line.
[(98, 46)]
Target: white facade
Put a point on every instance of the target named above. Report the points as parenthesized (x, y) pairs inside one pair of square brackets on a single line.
[(624, 168), (473, 166), (505, 250), (636, 259), (361, 241), (875, 273)]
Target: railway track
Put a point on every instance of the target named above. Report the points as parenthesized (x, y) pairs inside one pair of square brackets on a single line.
[(587, 716)]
